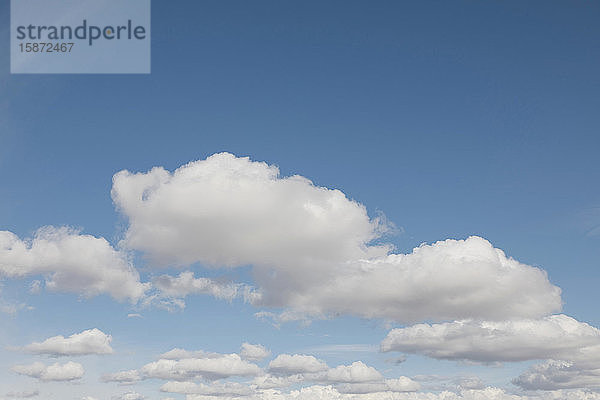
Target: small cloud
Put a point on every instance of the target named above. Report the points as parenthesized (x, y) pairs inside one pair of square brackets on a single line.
[(91, 341), (26, 394), (35, 287), (134, 316), (396, 360), (69, 371), (254, 352)]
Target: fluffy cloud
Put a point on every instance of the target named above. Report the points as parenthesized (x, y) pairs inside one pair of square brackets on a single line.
[(206, 209), (71, 262), (269, 381), (176, 354), (555, 336), (222, 366), (253, 352), (56, 372), (572, 347), (331, 393), (553, 375), (92, 341), (355, 373), (122, 377), (311, 248), (285, 364)]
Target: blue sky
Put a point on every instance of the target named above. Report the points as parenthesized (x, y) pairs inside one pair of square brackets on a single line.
[(451, 119)]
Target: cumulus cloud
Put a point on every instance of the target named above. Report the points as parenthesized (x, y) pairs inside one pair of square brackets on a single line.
[(555, 336), (358, 372), (254, 352), (92, 341), (122, 377), (56, 372), (571, 348), (311, 248), (269, 381), (70, 262), (286, 364), (318, 392), (552, 375), (211, 368)]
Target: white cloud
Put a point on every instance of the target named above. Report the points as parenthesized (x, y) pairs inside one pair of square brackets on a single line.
[(223, 366), (311, 248), (552, 375), (555, 336), (70, 262), (92, 341), (122, 377), (285, 364), (55, 372), (269, 381), (176, 354), (358, 372), (254, 352), (331, 393), (226, 203)]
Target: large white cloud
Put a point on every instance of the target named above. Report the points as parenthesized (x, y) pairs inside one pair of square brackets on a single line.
[(56, 372), (555, 336), (311, 247), (91, 341), (71, 262)]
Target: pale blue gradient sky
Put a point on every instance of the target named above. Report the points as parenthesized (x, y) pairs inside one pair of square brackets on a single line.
[(452, 118)]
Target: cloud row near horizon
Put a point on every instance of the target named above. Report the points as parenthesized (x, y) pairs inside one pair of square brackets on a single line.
[(310, 250)]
